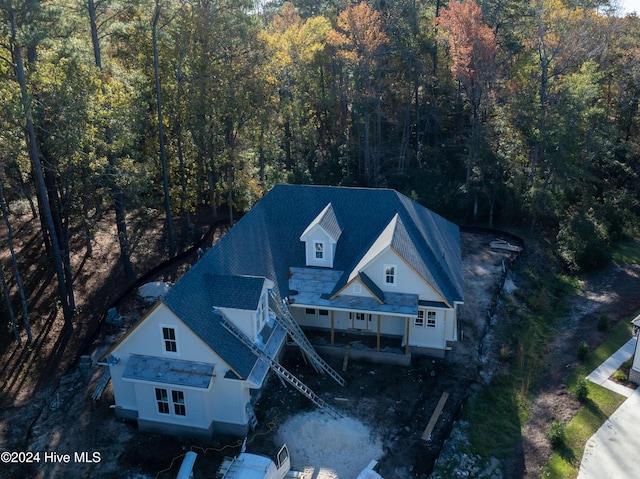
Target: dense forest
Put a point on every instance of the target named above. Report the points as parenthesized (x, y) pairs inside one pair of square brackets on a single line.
[(510, 113)]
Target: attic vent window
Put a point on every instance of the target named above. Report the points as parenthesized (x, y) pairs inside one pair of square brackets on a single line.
[(319, 250)]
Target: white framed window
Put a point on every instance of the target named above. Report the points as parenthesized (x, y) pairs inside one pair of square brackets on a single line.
[(318, 249), (162, 401), (323, 312), (360, 316), (177, 397), (431, 319), (419, 321), (167, 403), (169, 339), (310, 311), (390, 274)]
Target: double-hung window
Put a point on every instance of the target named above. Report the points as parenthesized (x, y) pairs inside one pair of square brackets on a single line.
[(169, 340), (162, 400), (178, 403), (319, 250), (419, 321), (431, 319)]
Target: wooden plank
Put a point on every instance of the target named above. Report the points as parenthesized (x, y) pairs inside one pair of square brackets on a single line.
[(102, 384), (426, 435), (346, 358)]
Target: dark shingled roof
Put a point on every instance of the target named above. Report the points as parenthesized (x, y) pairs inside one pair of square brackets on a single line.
[(266, 243), (373, 287), (238, 292)]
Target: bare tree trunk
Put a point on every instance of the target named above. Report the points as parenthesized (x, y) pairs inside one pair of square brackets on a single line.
[(14, 262), (41, 188), (7, 298), (183, 171), (163, 153), (369, 170)]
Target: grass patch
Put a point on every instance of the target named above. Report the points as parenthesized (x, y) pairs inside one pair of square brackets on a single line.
[(495, 418), (601, 403), (565, 462), (626, 252)]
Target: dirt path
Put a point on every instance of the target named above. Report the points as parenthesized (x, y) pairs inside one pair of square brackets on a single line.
[(613, 292)]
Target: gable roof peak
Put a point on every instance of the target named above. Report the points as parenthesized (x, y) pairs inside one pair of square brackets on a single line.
[(326, 220)]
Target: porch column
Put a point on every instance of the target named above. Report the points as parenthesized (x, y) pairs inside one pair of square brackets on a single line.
[(406, 340), (378, 338), (332, 335)]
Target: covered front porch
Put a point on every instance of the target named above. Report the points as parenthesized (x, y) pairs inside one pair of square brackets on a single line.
[(359, 346), (377, 331)]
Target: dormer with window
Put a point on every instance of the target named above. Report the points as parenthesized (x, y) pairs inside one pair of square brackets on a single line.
[(321, 238)]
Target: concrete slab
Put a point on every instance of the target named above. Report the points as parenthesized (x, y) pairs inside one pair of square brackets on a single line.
[(611, 453), (602, 373)]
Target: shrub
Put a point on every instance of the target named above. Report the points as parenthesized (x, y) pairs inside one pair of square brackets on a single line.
[(583, 351), (555, 434), (620, 376), (603, 323), (583, 240), (582, 390), (505, 353)]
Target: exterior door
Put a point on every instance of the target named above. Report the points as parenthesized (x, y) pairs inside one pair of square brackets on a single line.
[(360, 320)]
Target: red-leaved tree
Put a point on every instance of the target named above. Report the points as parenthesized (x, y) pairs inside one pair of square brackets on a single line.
[(473, 47)]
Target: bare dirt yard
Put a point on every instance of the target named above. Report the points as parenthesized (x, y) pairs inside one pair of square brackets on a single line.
[(46, 404)]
